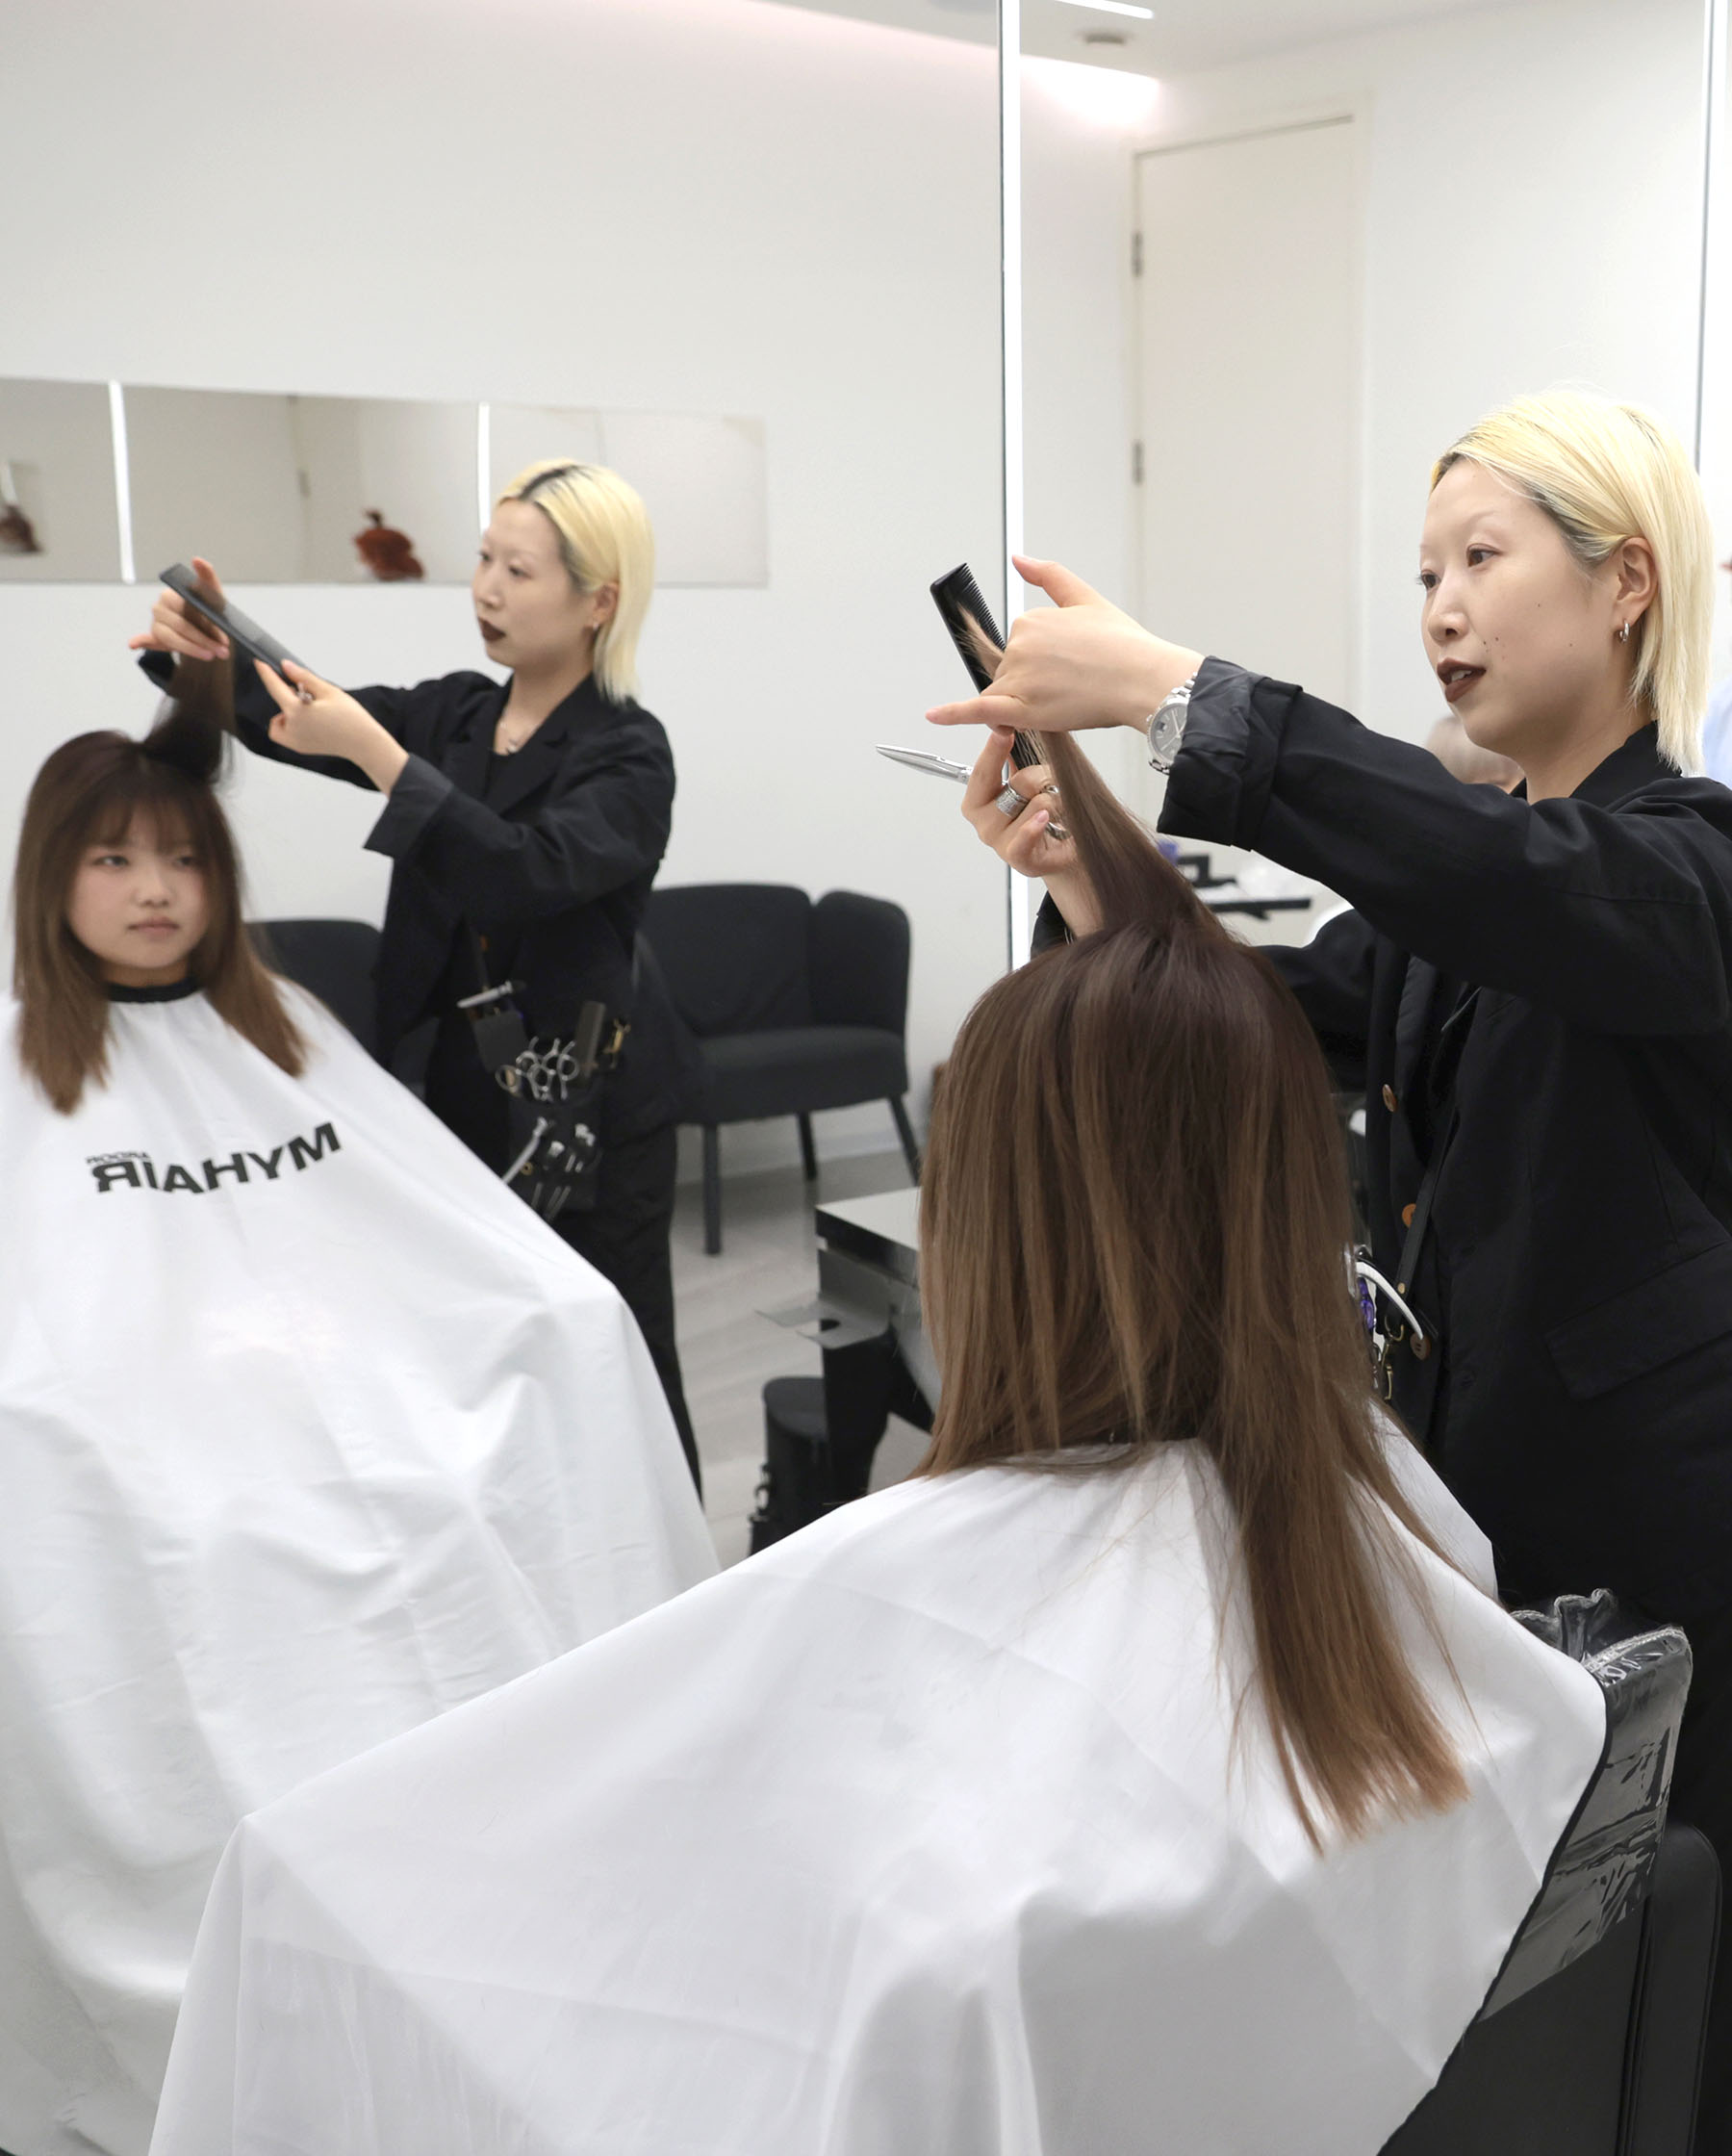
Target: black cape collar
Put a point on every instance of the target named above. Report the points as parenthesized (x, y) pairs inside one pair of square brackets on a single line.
[(1633, 764), (176, 991)]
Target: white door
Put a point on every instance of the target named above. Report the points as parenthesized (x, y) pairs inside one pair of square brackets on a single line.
[(1249, 386)]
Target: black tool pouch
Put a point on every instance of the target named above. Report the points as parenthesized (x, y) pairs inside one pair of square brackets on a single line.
[(553, 1089)]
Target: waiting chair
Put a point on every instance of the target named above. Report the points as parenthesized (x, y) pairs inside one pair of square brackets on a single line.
[(1590, 2044), (331, 959), (795, 1006)]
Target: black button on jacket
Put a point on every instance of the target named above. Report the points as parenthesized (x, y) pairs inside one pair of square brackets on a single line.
[(555, 864), (1555, 977)]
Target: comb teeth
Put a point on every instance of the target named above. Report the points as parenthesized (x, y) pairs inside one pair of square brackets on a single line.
[(968, 618)]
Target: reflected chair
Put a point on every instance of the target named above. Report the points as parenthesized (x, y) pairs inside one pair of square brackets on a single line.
[(795, 1006), (332, 959), (1592, 2041)]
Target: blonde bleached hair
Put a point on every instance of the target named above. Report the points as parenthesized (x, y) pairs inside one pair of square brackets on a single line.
[(604, 538), (1605, 473)]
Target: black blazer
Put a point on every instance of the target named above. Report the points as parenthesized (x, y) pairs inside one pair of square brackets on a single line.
[(555, 867), (1555, 975)]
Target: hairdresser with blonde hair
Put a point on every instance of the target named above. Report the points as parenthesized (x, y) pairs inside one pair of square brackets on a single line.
[(1532, 988), (525, 822)]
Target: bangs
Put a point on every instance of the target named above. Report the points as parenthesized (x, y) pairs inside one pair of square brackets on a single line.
[(145, 796)]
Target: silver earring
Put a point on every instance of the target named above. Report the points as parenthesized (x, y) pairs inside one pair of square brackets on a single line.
[(1623, 634)]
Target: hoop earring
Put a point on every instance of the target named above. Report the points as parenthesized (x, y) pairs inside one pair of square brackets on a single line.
[(1623, 634)]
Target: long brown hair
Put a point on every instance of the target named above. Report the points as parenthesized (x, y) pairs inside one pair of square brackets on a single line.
[(89, 793), (1135, 1227)]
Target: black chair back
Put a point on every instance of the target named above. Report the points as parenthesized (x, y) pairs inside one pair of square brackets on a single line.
[(859, 963), (331, 959), (1590, 2042), (735, 957)]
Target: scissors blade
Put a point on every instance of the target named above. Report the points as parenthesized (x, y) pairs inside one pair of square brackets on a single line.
[(918, 760)]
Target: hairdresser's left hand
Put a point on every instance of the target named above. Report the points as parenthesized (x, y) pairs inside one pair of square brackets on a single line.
[(315, 718), (1079, 663)]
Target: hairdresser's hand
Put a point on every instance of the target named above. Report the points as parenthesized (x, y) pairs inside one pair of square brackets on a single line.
[(314, 718), (1025, 841), (175, 628), (1079, 663)]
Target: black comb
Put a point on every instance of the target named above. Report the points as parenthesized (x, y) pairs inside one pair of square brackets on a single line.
[(963, 609)]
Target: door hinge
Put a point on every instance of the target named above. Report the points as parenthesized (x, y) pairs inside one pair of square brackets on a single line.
[(1137, 461), (1136, 254)]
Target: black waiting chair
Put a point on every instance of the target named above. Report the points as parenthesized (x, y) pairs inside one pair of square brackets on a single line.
[(795, 1006), (331, 959), (1592, 2041)]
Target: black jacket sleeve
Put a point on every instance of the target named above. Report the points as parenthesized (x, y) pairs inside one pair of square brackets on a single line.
[(1619, 921), (606, 825)]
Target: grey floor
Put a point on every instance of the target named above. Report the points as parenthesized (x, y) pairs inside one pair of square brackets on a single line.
[(727, 1350)]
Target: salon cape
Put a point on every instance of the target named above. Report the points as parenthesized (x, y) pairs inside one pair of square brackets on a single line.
[(924, 1833), (309, 1431)]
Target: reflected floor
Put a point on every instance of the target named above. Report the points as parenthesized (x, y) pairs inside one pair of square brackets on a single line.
[(727, 1353)]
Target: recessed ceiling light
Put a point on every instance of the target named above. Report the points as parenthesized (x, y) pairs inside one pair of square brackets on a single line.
[(1113, 8)]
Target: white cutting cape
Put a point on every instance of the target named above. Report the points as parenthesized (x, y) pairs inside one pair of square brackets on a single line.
[(286, 1466), (922, 1833)]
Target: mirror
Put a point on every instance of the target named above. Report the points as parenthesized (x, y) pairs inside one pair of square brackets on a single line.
[(748, 254), (285, 489), (1278, 258), (60, 519)]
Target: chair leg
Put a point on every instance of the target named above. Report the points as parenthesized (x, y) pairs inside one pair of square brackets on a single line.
[(808, 1157), (905, 1130), (712, 1190)]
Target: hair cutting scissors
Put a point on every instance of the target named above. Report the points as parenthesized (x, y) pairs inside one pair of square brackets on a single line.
[(918, 760)]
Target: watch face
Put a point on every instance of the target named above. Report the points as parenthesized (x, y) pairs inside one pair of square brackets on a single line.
[(1165, 736)]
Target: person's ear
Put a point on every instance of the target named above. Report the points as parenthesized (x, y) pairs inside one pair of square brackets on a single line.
[(607, 598), (1638, 581)]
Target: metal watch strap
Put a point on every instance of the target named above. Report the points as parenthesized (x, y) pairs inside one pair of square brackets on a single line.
[(1166, 726)]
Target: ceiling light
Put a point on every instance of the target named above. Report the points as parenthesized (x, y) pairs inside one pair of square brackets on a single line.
[(1113, 8)]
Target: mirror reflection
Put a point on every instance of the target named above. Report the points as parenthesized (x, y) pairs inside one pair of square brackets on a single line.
[(479, 1051), (58, 517)]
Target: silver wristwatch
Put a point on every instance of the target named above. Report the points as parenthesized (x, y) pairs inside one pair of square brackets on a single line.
[(1166, 727)]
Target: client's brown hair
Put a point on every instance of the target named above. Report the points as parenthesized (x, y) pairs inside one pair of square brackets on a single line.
[(1135, 1228), (87, 794)]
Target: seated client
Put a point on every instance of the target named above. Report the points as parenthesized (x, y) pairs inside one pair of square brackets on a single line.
[(312, 1429), (1154, 1770)]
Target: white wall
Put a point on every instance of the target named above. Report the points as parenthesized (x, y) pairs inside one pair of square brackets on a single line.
[(662, 205), (1532, 191)]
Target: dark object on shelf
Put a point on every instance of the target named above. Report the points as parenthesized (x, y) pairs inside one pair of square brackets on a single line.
[(331, 959), (807, 1473), (389, 554), (1591, 2042), (795, 1006), (795, 1485)]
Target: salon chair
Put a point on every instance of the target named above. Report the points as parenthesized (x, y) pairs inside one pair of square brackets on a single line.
[(794, 1006), (1591, 2042), (331, 959)]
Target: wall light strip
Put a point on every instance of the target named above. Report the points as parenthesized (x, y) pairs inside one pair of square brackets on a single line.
[(1113, 8), (1010, 287), (129, 573), (1715, 89)]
